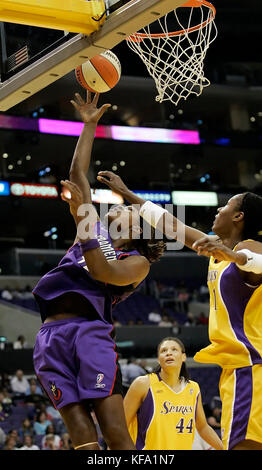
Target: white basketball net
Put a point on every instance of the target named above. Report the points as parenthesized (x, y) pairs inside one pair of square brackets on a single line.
[(175, 60)]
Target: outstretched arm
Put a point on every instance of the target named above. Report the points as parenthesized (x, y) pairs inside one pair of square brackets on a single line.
[(247, 255), (90, 116), (167, 223)]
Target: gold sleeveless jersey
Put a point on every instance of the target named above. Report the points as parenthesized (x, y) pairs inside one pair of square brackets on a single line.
[(235, 321), (166, 419)]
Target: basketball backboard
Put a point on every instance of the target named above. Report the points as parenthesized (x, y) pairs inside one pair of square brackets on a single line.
[(22, 76)]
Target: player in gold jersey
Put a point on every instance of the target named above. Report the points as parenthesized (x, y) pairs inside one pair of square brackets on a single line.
[(235, 327), (235, 284), (163, 408)]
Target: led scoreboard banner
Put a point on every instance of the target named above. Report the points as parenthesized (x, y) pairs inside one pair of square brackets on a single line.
[(33, 190), (195, 198), (4, 188), (184, 198), (120, 133), (159, 197), (51, 191)]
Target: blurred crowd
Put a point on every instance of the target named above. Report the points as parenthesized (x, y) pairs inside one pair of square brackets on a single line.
[(28, 420), (172, 306), (156, 303), (9, 293)]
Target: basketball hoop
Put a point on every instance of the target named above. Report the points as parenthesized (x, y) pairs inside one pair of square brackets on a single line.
[(174, 47)]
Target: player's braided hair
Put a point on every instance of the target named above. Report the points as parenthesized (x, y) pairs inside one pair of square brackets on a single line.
[(251, 205), (183, 371), (150, 247)]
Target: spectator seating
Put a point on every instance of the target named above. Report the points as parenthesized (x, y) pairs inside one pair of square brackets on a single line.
[(207, 378)]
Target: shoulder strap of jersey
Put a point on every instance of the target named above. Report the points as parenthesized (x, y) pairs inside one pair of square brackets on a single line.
[(154, 378)]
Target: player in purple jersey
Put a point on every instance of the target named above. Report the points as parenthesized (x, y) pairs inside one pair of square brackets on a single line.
[(74, 355)]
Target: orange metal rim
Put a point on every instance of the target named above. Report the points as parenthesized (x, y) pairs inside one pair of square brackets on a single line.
[(137, 37)]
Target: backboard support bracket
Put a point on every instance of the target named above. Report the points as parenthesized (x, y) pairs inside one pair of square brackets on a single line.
[(76, 16), (119, 25)]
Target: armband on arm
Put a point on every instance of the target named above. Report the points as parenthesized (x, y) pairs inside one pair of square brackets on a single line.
[(151, 213), (89, 245), (254, 262)]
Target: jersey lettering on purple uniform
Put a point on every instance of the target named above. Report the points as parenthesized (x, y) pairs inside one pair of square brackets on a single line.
[(71, 275)]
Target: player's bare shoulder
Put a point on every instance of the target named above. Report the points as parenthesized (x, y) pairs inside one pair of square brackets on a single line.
[(141, 385)]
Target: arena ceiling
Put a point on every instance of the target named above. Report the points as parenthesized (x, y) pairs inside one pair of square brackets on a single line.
[(234, 66), (233, 60)]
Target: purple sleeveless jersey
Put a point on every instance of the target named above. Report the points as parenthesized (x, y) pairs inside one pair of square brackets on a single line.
[(71, 275)]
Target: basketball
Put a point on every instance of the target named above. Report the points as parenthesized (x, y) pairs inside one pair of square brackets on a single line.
[(99, 74)]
